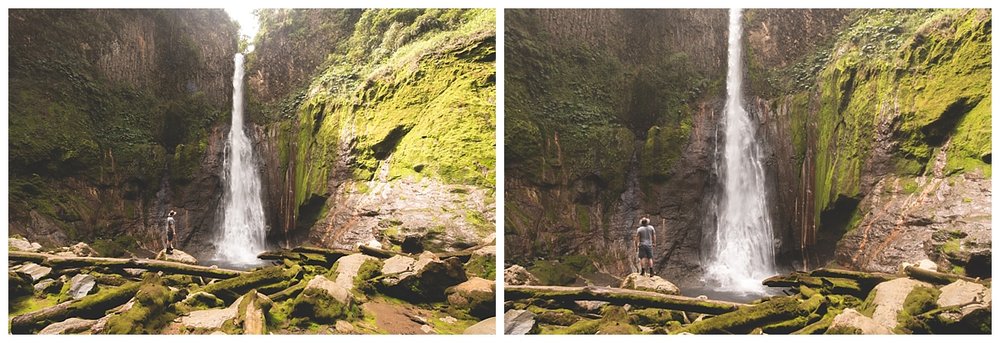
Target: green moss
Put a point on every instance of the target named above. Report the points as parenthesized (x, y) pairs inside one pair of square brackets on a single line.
[(364, 281), (952, 248), (481, 266), (149, 312), (315, 305), (919, 301)]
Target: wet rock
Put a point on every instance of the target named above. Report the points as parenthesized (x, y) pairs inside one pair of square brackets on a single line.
[(347, 269), (81, 285), (487, 326), (49, 286), (889, 297), (68, 326), (81, 249), (519, 322), (516, 276), (21, 244), (477, 295), (853, 322), (37, 272), (176, 256), (649, 283)]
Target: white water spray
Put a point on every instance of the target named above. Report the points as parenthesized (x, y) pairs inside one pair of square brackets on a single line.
[(743, 253), (243, 230)]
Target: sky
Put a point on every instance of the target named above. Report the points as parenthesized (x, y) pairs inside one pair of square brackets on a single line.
[(248, 21)]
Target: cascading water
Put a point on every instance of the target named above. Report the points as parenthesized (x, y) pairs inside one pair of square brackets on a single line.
[(743, 250), (243, 231)]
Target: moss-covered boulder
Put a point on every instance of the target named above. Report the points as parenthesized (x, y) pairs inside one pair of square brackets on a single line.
[(251, 314), (427, 281), (477, 295), (148, 313), (18, 284), (324, 302), (482, 263), (853, 322), (887, 300)]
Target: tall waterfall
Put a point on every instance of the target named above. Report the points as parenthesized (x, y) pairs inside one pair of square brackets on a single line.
[(743, 250), (243, 231)]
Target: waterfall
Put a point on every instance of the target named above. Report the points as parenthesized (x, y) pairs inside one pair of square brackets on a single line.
[(243, 231), (743, 251)]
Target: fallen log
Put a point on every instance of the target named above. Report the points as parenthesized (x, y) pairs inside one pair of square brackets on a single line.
[(331, 255), (376, 252), (463, 255), (230, 289), (746, 319), (865, 278), (312, 259), (288, 293), (619, 296), (67, 262), (823, 284), (90, 307), (936, 277)]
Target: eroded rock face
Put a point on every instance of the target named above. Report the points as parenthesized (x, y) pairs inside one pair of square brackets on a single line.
[(650, 283)]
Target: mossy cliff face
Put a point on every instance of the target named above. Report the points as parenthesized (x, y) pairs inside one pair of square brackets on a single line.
[(112, 121), (391, 131), (875, 129), (609, 117)]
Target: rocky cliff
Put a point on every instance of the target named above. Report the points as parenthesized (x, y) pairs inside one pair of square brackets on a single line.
[(599, 133), (377, 126), (874, 125), (113, 120)]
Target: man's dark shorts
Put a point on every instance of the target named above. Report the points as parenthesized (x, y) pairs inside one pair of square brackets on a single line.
[(645, 251), (170, 235)]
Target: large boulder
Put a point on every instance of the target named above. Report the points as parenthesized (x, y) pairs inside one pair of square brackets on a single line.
[(425, 280), (176, 256), (81, 285), (519, 322), (324, 302), (36, 271), (888, 299), (650, 283), (18, 284), (478, 295), (68, 326), (853, 322), (516, 275), (970, 297), (398, 264), (209, 319), (487, 326), (347, 269)]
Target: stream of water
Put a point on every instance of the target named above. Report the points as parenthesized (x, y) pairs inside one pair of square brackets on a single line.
[(243, 233), (743, 251)]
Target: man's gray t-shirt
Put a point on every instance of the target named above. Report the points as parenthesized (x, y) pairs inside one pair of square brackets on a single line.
[(646, 235), (170, 223)]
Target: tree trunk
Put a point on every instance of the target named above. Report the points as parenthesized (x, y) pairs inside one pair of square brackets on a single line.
[(90, 307), (67, 262), (748, 318), (619, 296)]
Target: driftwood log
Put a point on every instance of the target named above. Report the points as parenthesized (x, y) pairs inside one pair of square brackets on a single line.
[(68, 262), (824, 284), (779, 314), (619, 296), (230, 289), (936, 277)]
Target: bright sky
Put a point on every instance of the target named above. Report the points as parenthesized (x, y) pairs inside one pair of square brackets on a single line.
[(248, 22)]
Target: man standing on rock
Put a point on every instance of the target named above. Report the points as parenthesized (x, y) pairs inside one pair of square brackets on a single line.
[(171, 231), (645, 237)]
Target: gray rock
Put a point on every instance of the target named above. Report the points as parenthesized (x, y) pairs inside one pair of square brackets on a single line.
[(81, 285), (517, 275), (68, 326), (398, 264), (487, 326), (49, 286), (889, 299), (519, 322), (210, 319), (36, 271), (344, 327), (428, 280), (590, 306), (21, 244), (650, 284), (334, 289), (970, 296), (477, 295), (176, 256), (347, 269)]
